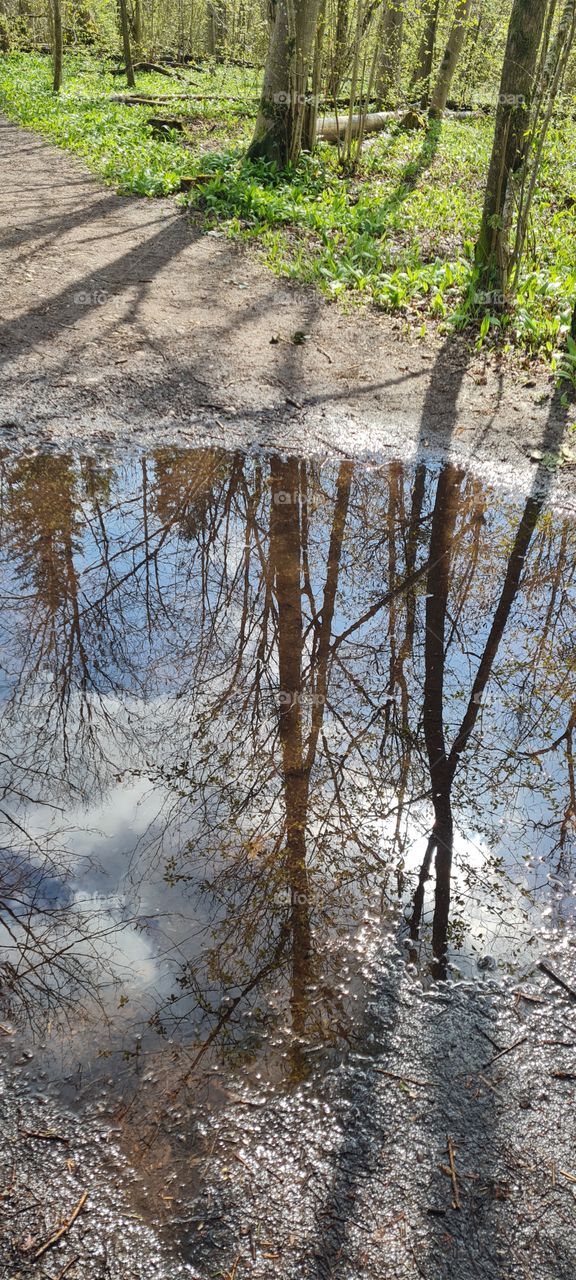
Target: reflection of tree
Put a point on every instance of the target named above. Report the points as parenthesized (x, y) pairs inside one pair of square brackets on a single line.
[(442, 762), (295, 659)]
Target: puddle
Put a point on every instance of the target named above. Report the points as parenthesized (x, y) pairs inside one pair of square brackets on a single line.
[(271, 730)]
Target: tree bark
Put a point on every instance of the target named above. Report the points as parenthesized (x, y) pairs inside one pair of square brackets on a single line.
[(125, 29), (510, 138), (58, 46), (217, 29), (553, 68), (449, 61), (388, 75), (138, 28), (423, 68), (340, 51), (278, 132)]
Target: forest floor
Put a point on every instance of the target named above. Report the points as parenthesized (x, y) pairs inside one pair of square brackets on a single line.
[(123, 323)]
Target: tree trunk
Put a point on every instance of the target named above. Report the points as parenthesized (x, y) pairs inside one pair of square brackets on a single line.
[(388, 75), (340, 50), (137, 26), (510, 138), (451, 55), (217, 29), (58, 43), (423, 68), (552, 71), (278, 133), (125, 28), (310, 130)]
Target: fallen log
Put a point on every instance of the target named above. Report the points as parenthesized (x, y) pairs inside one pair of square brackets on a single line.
[(333, 128), (155, 67), (163, 100)]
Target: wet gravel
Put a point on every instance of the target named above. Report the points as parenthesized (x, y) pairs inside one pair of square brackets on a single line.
[(346, 1174), (43, 1180), (349, 1175)]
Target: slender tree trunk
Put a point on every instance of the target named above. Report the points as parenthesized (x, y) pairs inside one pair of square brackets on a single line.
[(125, 28), (388, 74), (58, 45), (449, 61), (423, 68), (553, 69), (309, 133), (138, 23), (446, 506), (217, 29), (278, 133), (510, 138), (340, 51)]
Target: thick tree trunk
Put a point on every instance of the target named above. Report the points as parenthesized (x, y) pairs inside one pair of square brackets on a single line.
[(388, 75), (58, 45), (510, 138), (423, 68), (125, 29), (278, 133), (449, 61)]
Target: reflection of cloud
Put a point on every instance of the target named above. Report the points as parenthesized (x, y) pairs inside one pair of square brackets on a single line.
[(126, 949)]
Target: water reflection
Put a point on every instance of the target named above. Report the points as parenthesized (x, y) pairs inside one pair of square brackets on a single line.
[(253, 710)]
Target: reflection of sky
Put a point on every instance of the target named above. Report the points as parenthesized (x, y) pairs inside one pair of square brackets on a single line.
[(116, 819)]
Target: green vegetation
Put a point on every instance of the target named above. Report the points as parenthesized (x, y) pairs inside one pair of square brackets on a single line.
[(114, 138), (399, 232)]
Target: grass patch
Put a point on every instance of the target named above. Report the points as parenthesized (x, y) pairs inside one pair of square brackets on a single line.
[(398, 234)]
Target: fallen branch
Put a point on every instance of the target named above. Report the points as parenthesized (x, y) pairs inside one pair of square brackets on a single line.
[(155, 67), (556, 978), (62, 1230), (145, 99), (45, 1135)]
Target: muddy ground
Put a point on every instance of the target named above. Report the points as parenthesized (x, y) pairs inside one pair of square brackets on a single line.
[(120, 322)]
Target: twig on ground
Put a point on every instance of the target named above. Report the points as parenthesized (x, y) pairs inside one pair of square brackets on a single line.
[(68, 1267), (63, 1229), (232, 1273), (46, 1135), (556, 978), (453, 1174), (508, 1049), (393, 1075)]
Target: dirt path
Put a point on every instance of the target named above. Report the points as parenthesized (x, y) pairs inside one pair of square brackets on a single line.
[(119, 321)]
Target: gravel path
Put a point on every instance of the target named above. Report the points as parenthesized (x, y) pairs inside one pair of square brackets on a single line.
[(119, 322)]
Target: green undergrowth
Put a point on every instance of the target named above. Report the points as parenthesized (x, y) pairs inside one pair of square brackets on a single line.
[(116, 139), (399, 233)]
